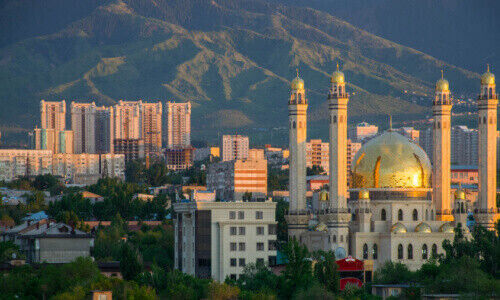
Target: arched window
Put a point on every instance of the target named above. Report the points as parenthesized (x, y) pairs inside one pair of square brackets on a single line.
[(365, 251), (462, 208), (334, 238), (410, 251), (432, 214), (491, 92), (400, 251), (400, 215), (491, 120), (341, 238), (341, 119), (426, 214), (300, 98), (424, 252), (294, 125), (375, 251), (484, 120), (439, 125), (334, 119), (434, 250), (300, 124), (383, 215), (415, 215)]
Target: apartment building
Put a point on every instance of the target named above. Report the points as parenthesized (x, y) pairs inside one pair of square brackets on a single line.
[(15, 163), (317, 154), (218, 239), (93, 128), (178, 124), (362, 131), (234, 147), (232, 179)]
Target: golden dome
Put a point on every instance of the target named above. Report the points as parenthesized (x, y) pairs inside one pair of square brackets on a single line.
[(488, 78), (460, 194), (364, 194), (423, 227), (337, 77), (323, 196), (442, 85), (391, 161), (398, 228), (297, 83), (447, 228)]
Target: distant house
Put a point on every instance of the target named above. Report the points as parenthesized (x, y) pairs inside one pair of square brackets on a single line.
[(92, 197), (144, 197), (46, 241)]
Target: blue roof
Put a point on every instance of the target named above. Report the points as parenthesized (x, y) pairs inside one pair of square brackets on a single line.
[(36, 216)]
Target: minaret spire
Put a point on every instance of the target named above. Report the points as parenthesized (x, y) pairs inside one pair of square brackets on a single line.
[(441, 177)]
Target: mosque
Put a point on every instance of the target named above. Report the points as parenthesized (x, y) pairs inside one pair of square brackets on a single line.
[(400, 206)]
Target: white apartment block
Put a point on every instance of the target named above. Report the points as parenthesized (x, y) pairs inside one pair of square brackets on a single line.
[(318, 154), (178, 124), (74, 168), (362, 131), (218, 239), (16, 163), (234, 147), (127, 124), (232, 179)]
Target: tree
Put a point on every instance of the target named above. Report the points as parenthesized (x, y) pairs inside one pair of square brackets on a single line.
[(130, 261), (315, 170), (247, 196), (222, 291), (325, 270), (259, 279), (393, 273), (298, 271)]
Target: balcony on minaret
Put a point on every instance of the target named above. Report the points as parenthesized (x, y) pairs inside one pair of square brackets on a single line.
[(442, 99), (297, 98)]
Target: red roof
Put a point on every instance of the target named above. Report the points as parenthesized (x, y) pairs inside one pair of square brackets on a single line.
[(350, 264)]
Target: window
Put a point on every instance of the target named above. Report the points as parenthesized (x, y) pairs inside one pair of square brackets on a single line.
[(271, 245), (294, 125), (424, 251), (260, 261), (232, 276), (365, 251), (241, 215), (410, 251), (260, 246), (233, 262), (232, 231), (434, 250), (334, 119), (272, 261), (415, 215), (259, 215), (375, 251), (400, 215), (242, 246), (260, 230), (233, 246), (232, 215), (272, 229), (242, 262), (400, 251), (383, 215), (426, 214), (242, 230)]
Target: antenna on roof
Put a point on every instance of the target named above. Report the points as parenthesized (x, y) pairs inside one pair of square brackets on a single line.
[(487, 67), (337, 66), (442, 74), (390, 122), (297, 72)]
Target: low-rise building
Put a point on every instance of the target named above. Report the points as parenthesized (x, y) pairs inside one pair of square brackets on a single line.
[(206, 153), (464, 175), (46, 241), (218, 239), (15, 163)]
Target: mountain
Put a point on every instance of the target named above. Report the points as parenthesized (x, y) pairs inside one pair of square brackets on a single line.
[(233, 59)]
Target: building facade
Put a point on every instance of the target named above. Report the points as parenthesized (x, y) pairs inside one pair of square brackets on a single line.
[(234, 147), (218, 239), (178, 124), (362, 131), (15, 163), (231, 180)]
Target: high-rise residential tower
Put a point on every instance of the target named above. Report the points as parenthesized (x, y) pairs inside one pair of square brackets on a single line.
[(178, 124), (151, 126), (83, 126), (297, 114), (441, 177), (487, 150), (53, 115)]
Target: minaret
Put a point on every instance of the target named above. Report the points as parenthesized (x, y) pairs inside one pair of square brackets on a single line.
[(441, 177), (337, 217), (337, 104), (297, 111), (487, 151)]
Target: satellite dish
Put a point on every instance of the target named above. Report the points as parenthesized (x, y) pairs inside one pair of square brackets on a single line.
[(340, 253)]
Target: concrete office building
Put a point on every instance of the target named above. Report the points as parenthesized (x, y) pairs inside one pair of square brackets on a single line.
[(218, 239)]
